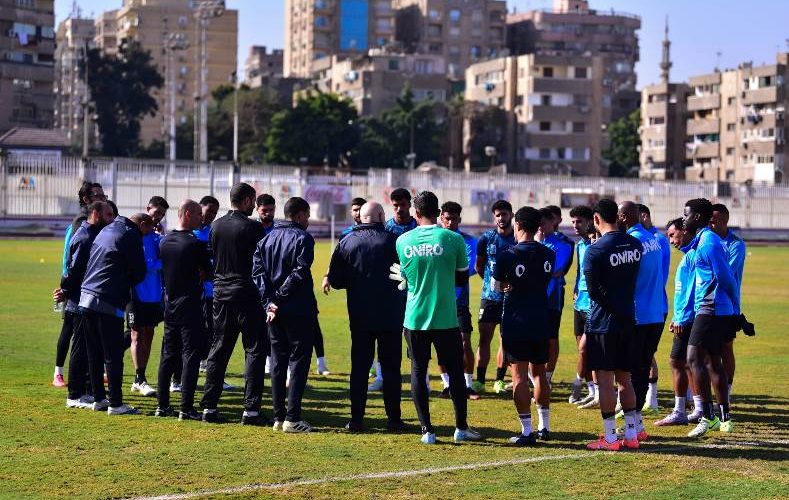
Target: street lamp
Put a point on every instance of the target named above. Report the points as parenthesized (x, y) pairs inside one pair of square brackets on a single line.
[(490, 152), (234, 81), (173, 42), (205, 10)]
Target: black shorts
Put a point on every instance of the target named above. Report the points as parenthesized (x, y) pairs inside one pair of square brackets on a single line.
[(447, 343), (731, 329), (609, 351), (464, 320), (579, 322), (490, 311), (709, 332), (144, 314), (644, 344), (554, 322), (532, 351), (679, 348)]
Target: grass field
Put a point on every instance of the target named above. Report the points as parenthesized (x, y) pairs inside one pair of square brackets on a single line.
[(48, 451)]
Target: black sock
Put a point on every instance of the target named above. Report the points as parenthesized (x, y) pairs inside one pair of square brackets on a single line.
[(500, 372), (139, 376), (607, 415), (709, 411), (481, 374), (725, 412), (653, 380)]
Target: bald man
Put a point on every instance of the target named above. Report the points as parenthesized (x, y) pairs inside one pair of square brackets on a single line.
[(360, 264), (185, 265)]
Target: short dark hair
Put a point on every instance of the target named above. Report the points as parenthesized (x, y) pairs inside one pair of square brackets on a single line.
[(643, 209), (400, 194), (114, 207), (158, 202), (528, 218), (265, 199), (607, 209), (358, 201), (451, 207), (720, 207), (426, 203), (295, 206), (241, 192), (679, 222), (582, 212), (96, 206), (209, 200), (501, 205), (545, 213), (701, 206), (556, 211), (84, 191)]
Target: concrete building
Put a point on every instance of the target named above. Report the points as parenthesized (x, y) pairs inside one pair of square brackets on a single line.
[(316, 29), (149, 22), (573, 28), (553, 107), (462, 32), (262, 65), (27, 63), (74, 37)]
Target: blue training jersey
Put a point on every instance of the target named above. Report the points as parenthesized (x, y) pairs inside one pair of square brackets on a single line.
[(735, 247), (489, 246), (649, 285), (563, 248), (66, 242), (684, 284), (399, 229), (462, 292), (581, 292), (716, 290), (150, 288), (345, 232), (665, 252), (203, 233)]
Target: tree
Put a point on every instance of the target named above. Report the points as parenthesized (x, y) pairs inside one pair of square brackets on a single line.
[(487, 127), (120, 87), (623, 150)]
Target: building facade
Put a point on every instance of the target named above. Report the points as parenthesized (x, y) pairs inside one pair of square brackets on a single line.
[(27, 63), (262, 65), (74, 37)]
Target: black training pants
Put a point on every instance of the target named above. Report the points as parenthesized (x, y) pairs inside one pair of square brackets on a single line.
[(292, 340), (182, 344), (78, 359), (104, 341), (390, 354), (66, 333), (643, 346), (230, 318), (318, 341)]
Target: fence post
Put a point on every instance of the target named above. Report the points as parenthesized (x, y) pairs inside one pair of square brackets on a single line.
[(211, 178), (114, 180), (4, 184)]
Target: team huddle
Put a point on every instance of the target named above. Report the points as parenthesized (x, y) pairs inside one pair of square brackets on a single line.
[(211, 279)]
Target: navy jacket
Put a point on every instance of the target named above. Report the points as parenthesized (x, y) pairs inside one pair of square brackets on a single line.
[(77, 263), (360, 263), (281, 270), (116, 263)]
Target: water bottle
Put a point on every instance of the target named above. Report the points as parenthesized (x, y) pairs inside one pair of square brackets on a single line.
[(58, 307)]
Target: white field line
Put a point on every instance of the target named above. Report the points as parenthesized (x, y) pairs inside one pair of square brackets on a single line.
[(434, 470)]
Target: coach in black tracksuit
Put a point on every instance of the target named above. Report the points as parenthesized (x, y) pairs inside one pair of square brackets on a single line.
[(237, 307), (360, 264), (282, 273)]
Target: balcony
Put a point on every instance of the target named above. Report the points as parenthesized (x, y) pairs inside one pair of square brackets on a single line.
[(562, 85), (765, 146), (761, 96), (702, 150), (554, 113), (711, 101), (657, 108), (557, 140), (705, 126)]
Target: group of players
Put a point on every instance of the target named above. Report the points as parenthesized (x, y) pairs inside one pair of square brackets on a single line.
[(407, 277)]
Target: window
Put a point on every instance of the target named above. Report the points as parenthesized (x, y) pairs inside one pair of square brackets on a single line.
[(545, 100), (579, 127), (354, 16), (321, 21), (27, 4), (454, 31), (580, 72), (20, 83), (545, 153), (423, 66), (580, 154), (730, 127), (183, 21), (434, 15), (729, 151), (547, 72), (545, 126), (394, 65), (475, 51), (519, 100), (582, 100), (730, 101), (434, 31), (454, 16), (383, 25), (435, 48), (560, 153)]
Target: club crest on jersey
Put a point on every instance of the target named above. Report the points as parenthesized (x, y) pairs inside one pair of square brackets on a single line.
[(520, 269), (626, 257), (547, 266), (423, 250)]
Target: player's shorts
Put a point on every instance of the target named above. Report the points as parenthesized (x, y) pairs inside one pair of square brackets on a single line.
[(609, 351), (554, 322), (520, 351), (679, 348), (579, 322), (464, 320), (644, 344), (144, 314), (708, 332), (490, 311), (731, 331)]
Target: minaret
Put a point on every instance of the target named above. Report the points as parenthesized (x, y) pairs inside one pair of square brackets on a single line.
[(665, 64)]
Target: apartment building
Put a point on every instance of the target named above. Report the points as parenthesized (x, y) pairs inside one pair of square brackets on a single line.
[(553, 107), (106, 37), (261, 65), (462, 32), (317, 29), (27, 63), (74, 37)]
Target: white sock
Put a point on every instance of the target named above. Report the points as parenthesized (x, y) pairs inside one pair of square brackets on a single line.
[(469, 379), (250, 413), (652, 395), (321, 363), (531, 379), (592, 388), (268, 364), (445, 380), (209, 410), (378, 374), (689, 395), (543, 418), (287, 380), (698, 403), (631, 419), (59, 371), (639, 421), (427, 381), (525, 419), (679, 404), (578, 380), (609, 429)]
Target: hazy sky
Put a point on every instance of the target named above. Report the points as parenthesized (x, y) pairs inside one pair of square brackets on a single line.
[(752, 30)]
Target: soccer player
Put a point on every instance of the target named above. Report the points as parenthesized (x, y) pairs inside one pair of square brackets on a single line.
[(581, 219), (266, 206), (450, 219), (736, 250), (356, 206), (157, 209), (492, 243), (185, 260), (145, 311), (99, 215), (116, 264), (525, 271), (651, 406), (715, 299), (549, 235), (210, 207), (237, 308), (282, 273), (361, 264), (611, 268), (433, 262)]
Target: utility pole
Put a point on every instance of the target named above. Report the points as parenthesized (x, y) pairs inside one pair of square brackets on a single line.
[(173, 42), (205, 10), (85, 105), (234, 81)]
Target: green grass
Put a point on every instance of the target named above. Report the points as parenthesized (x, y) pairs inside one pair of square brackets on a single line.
[(48, 451)]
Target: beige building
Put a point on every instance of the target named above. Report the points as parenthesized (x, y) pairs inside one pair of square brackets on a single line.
[(262, 65), (554, 115), (461, 32), (317, 29), (74, 37), (27, 64), (148, 22), (573, 28)]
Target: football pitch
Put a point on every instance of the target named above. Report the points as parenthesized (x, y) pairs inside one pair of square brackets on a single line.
[(48, 451)]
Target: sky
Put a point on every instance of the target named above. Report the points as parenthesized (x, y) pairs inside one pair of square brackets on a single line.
[(740, 31)]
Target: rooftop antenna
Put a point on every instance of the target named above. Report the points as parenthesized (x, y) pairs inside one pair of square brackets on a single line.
[(718, 55), (76, 11)]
